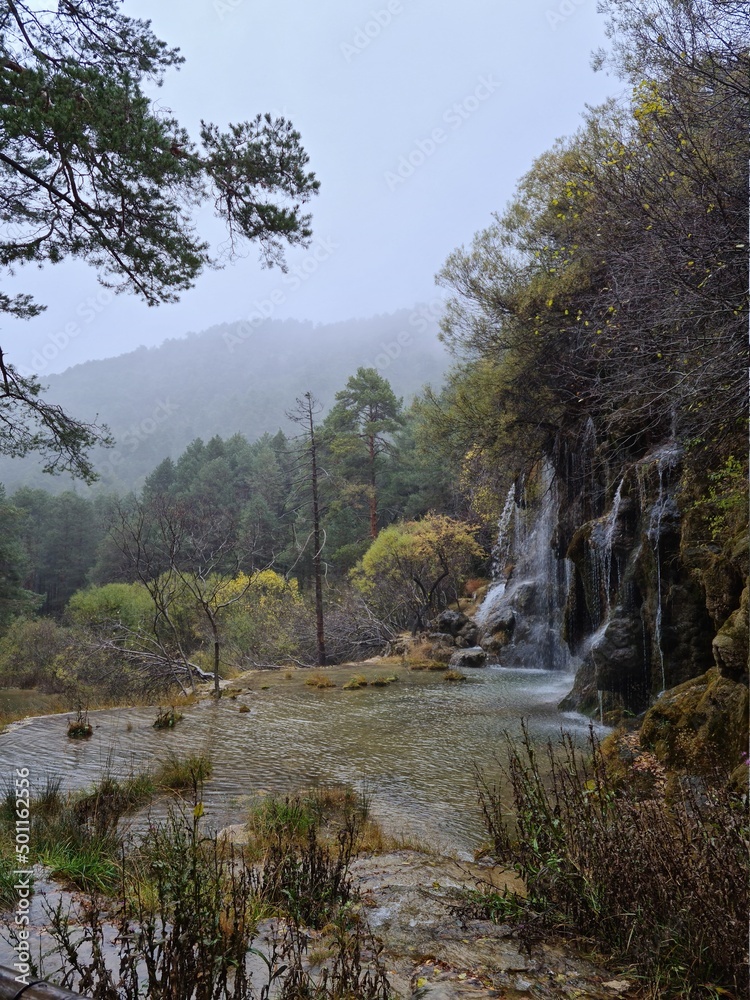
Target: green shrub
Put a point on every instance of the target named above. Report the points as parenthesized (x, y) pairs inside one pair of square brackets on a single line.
[(167, 718), (183, 772), (288, 819), (379, 682), (724, 504), (78, 836), (80, 728), (29, 651), (91, 866), (454, 675), (188, 921), (97, 608), (320, 681)]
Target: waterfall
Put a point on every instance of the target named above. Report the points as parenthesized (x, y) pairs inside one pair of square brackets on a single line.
[(501, 552), (521, 616), (609, 531), (501, 548), (666, 458), (600, 547), (491, 603), (655, 534)]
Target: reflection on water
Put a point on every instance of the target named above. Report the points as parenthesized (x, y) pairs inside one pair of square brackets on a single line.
[(412, 744)]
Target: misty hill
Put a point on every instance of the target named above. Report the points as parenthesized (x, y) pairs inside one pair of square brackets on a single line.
[(231, 378)]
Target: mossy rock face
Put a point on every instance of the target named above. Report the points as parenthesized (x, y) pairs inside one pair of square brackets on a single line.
[(739, 550), (699, 725), (588, 595), (578, 544), (441, 654), (730, 645), (722, 582), (687, 633)]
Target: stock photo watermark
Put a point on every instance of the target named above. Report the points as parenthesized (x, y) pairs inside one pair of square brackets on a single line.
[(420, 319), (23, 875), (452, 120), (56, 343), (366, 33), (564, 10), (296, 276), (226, 7), (392, 350)]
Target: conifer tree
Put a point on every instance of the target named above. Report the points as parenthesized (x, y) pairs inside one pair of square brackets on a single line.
[(90, 169), (361, 425)]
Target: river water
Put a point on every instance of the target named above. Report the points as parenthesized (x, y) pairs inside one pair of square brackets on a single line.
[(411, 744)]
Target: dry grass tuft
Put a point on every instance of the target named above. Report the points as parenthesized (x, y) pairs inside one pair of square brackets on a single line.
[(319, 681), (355, 683), (654, 870)]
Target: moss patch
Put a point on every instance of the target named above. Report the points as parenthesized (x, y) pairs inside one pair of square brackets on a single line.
[(699, 725), (730, 646)]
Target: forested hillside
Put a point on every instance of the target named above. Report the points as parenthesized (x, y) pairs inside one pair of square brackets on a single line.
[(236, 505), (234, 378)]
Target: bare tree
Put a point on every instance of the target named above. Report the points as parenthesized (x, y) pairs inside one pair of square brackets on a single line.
[(304, 414), (176, 549)]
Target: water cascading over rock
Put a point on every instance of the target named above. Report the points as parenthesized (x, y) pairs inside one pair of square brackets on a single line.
[(636, 614), (520, 619), (595, 571)]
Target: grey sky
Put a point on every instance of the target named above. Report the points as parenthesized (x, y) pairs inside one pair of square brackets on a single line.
[(419, 117)]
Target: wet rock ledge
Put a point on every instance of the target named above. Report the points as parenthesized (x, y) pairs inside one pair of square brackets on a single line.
[(434, 954)]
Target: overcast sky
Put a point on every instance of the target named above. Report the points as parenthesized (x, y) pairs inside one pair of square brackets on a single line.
[(419, 117)]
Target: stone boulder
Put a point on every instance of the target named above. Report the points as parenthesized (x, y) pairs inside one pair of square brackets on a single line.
[(451, 622), (699, 724), (458, 626), (497, 630), (400, 646), (440, 639), (475, 656), (618, 660), (730, 645)]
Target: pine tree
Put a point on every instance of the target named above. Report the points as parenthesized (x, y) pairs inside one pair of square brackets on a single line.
[(90, 169), (360, 426)]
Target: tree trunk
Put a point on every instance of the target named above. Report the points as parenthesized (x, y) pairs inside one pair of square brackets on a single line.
[(320, 633), (217, 689), (373, 492)]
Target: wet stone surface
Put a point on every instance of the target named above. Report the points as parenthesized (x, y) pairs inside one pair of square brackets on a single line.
[(433, 954), (429, 952)]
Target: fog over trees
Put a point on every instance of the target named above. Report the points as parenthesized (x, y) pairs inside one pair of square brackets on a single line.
[(234, 378)]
